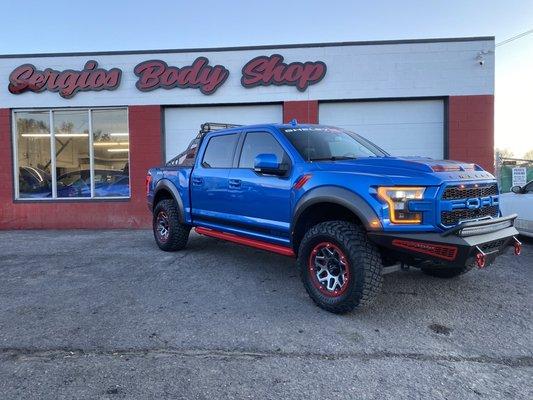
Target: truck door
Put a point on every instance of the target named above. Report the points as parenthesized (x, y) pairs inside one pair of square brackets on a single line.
[(209, 180), (260, 203)]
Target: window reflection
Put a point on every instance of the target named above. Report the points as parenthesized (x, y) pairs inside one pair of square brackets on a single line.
[(34, 162), (111, 153), (72, 157), (71, 130)]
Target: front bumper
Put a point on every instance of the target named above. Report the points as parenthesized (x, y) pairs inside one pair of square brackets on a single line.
[(462, 245)]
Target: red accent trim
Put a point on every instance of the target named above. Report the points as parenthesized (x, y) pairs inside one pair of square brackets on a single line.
[(314, 278), (471, 129), (302, 181), (437, 250), (445, 168), (305, 112), (147, 183), (517, 248), (481, 260), (258, 244)]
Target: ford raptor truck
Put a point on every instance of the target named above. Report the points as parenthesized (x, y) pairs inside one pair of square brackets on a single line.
[(343, 207)]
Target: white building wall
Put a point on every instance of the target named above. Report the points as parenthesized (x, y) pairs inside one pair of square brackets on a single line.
[(354, 72)]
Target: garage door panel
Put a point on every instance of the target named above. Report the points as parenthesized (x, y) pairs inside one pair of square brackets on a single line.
[(403, 128), (182, 123)]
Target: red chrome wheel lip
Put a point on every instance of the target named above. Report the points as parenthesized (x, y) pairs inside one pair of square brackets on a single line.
[(311, 268)]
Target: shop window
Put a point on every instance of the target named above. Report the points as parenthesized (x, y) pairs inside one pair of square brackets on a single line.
[(34, 161), (84, 155)]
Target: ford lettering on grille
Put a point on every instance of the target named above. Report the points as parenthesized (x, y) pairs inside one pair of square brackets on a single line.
[(461, 203)]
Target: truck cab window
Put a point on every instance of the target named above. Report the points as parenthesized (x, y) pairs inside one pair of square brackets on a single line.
[(219, 152), (260, 143)]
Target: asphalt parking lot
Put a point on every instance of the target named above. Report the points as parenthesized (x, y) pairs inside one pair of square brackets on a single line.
[(106, 315)]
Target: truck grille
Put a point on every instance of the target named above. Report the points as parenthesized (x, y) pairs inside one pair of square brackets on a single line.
[(455, 216), (468, 202), (457, 192)]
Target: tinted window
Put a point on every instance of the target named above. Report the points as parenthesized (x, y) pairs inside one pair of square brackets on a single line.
[(325, 143), (260, 143), (219, 152)]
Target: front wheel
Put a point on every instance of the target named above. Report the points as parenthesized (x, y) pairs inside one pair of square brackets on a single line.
[(339, 267), (169, 233)]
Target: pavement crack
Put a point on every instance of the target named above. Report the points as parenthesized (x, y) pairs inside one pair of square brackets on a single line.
[(24, 354)]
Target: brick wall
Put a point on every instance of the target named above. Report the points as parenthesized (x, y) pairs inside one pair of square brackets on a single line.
[(145, 152), (305, 112), (471, 129)]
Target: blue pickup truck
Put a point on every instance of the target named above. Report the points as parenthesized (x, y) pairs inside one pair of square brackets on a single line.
[(343, 207)]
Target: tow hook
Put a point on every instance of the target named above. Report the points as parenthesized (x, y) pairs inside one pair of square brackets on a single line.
[(481, 258), (517, 246)]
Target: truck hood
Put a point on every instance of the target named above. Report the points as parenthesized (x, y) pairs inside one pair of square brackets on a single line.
[(409, 170)]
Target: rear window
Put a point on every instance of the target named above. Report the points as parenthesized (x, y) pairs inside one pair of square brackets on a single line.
[(220, 151)]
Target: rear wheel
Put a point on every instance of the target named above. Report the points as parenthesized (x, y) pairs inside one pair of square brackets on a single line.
[(169, 233), (339, 267)]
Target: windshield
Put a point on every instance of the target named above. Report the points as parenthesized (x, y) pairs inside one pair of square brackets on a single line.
[(329, 143)]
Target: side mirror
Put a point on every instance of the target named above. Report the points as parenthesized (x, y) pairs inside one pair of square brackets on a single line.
[(269, 164), (516, 189)]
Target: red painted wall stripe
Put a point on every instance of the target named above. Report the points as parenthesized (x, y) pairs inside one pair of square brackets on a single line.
[(305, 112), (145, 152), (471, 129)]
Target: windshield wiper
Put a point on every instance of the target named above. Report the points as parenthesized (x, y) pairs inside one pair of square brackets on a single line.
[(332, 158)]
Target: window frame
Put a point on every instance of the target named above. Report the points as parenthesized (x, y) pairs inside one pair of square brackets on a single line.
[(241, 147), (53, 156), (232, 159)]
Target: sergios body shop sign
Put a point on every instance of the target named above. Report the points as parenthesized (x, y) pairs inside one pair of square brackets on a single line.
[(155, 74)]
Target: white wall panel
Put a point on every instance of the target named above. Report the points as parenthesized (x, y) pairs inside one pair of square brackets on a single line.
[(403, 128), (183, 123)]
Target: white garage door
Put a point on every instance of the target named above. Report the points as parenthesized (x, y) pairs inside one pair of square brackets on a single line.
[(402, 128), (182, 123)]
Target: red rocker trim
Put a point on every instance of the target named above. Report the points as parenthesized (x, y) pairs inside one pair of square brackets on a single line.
[(258, 244)]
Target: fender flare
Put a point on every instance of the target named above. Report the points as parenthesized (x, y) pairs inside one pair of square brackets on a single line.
[(165, 184), (336, 195)]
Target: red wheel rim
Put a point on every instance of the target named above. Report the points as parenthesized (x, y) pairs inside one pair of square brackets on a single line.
[(162, 227), (329, 269)]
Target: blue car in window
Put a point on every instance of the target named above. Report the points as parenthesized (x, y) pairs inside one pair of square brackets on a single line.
[(34, 183), (107, 183)]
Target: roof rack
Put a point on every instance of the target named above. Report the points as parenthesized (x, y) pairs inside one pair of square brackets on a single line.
[(205, 128), (215, 126)]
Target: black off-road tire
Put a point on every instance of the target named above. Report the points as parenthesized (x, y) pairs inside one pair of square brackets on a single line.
[(178, 233), (445, 272), (363, 262)]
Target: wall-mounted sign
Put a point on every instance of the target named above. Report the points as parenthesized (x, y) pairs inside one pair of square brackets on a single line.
[(154, 74), (67, 83), (264, 71)]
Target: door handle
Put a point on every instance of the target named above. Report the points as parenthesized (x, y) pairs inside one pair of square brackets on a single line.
[(197, 181), (234, 183)]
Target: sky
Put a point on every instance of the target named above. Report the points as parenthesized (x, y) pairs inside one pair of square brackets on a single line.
[(69, 26)]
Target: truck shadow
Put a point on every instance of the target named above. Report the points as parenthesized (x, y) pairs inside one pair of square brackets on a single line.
[(401, 291)]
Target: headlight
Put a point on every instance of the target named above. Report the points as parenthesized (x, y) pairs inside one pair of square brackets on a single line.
[(398, 200)]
